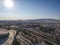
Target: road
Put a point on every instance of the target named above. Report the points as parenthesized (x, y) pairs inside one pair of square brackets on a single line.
[(10, 39), (3, 40), (3, 35), (44, 37)]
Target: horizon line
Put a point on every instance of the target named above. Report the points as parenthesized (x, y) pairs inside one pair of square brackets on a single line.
[(25, 19)]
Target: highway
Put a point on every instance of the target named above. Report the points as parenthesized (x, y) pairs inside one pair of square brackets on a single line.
[(10, 39), (43, 36), (3, 35), (23, 38), (3, 39)]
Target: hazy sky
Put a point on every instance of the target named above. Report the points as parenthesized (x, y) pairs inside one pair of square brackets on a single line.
[(30, 9)]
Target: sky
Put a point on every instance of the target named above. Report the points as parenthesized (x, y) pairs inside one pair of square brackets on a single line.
[(30, 9)]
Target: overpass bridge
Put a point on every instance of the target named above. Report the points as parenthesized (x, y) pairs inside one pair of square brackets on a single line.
[(25, 39)]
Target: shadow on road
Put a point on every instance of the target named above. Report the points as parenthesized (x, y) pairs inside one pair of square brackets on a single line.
[(3, 38)]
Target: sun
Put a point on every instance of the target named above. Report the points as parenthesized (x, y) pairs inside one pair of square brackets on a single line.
[(8, 3)]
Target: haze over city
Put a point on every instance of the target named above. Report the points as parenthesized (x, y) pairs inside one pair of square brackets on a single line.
[(30, 9)]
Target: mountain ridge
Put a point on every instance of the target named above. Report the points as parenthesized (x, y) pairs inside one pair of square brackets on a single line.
[(33, 21)]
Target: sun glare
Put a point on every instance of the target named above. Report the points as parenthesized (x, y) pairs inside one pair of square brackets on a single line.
[(8, 3)]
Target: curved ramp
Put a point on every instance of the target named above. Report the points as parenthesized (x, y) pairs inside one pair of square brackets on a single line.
[(10, 38)]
